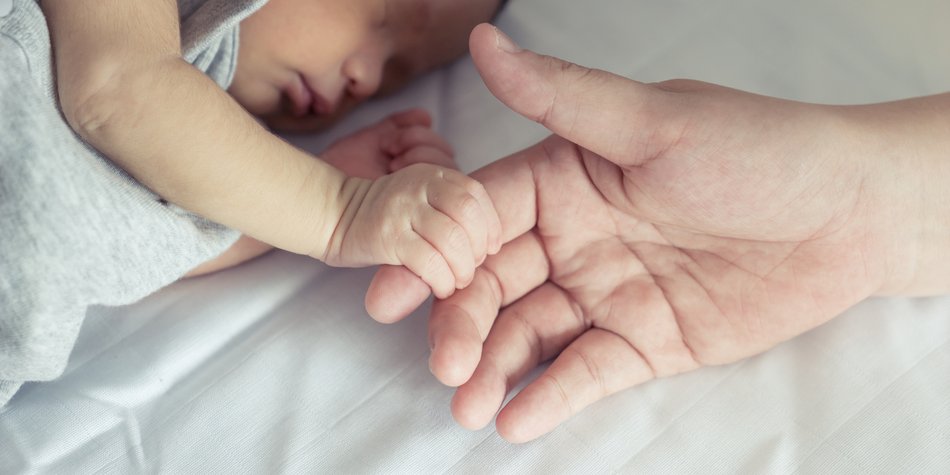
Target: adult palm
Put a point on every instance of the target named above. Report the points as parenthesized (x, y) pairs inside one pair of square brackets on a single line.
[(662, 228)]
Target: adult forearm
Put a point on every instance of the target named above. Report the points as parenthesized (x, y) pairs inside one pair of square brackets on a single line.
[(911, 140), (178, 133), (931, 275)]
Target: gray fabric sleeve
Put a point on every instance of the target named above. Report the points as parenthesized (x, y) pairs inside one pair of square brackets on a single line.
[(76, 231)]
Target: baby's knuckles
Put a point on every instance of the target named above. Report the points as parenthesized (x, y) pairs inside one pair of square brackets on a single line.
[(457, 240)]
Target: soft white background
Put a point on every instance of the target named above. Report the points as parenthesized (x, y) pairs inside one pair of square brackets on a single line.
[(275, 367)]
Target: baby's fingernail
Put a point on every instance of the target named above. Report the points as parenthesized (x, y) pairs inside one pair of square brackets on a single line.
[(504, 43)]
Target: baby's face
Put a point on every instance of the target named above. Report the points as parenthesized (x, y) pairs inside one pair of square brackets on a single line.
[(303, 63)]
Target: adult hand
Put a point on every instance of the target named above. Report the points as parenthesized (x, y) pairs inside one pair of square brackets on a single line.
[(663, 227)]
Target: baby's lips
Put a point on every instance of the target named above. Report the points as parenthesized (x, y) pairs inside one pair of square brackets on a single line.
[(300, 96), (312, 99), (321, 105)]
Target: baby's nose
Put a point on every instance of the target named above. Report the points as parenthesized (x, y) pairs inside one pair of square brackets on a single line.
[(363, 75)]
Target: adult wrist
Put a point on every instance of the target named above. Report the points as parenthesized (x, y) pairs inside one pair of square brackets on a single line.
[(913, 170), (928, 271)]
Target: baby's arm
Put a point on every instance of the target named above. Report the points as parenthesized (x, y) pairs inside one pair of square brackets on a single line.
[(126, 90), (401, 139)]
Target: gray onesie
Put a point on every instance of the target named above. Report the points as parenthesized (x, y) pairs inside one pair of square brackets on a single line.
[(76, 231)]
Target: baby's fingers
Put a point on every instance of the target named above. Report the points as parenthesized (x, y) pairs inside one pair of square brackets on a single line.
[(451, 241), (491, 229), (408, 138), (455, 196), (411, 117), (427, 262)]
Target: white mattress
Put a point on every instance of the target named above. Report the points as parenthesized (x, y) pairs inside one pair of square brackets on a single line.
[(275, 367)]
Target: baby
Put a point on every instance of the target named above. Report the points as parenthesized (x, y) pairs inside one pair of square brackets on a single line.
[(129, 87), (153, 86), (295, 79)]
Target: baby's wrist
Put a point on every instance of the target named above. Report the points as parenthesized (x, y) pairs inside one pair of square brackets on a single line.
[(352, 192)]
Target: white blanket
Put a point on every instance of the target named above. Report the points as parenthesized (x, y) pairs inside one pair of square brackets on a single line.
[(275, 367)]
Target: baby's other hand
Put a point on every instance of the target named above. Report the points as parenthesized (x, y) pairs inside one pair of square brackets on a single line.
[(437, 222), (418, 144), (393, 143)]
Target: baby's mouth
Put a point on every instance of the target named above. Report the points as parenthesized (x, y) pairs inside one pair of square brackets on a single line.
[(305, 99), (300, 95), (320, 105)]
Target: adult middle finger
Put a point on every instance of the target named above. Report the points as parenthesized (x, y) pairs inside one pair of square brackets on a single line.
[(459, 324)]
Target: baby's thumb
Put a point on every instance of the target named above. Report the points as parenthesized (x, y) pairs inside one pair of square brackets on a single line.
[(600, 111)]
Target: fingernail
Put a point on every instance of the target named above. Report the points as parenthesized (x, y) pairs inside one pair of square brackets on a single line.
[(504, 43)]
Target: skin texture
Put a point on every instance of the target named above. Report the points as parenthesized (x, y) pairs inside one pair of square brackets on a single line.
[(401, 139), (669, 226), (345, 51), (129, 91)]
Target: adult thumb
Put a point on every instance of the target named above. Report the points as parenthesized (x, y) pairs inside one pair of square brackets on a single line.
[(607, 114)]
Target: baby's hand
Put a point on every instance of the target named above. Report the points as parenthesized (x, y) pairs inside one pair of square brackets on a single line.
[(399, 140), (437, 222)]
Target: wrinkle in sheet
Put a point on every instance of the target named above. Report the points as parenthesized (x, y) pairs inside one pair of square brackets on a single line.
[(829, 439), (252, 335), (212, 433), (734, 370), (116, 404), (91, 435), (531, 457), (81, 356), (359, 404), (9, 464), (411, 432), (490, 435)]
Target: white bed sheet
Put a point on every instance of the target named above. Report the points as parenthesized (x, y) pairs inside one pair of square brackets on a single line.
[(274, 366)]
